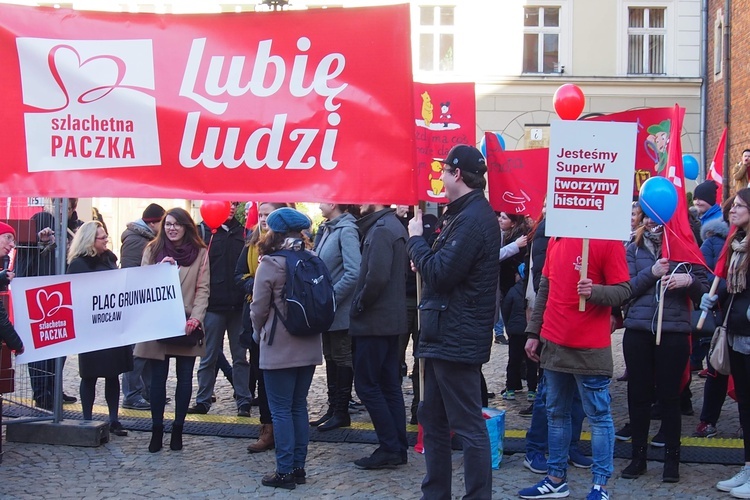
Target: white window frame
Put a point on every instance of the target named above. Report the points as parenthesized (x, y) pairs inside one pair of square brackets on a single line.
[(564, 31), (436, 30), (669, 34)]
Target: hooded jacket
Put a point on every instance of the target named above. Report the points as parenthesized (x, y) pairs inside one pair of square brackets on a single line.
[(338, 248), (134, 239)]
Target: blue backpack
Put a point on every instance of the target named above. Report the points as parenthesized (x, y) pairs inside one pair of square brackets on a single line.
[(311, 304)]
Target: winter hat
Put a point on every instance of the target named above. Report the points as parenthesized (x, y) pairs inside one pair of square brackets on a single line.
[(153, 213), (706, 191), (5, 228), (467, 158), (285, 220)]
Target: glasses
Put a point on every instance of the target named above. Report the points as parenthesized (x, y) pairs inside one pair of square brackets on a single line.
[(170, 225), (736, 205), (102, 238)]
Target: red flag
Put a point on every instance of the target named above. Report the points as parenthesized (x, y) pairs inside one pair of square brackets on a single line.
[(679, 242), (721, 262), (252, 216), (517, 180), (716, 171)]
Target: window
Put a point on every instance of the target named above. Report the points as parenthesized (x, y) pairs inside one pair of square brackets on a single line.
[(436, 31), (646, 40), (718, 44), (541, 40)]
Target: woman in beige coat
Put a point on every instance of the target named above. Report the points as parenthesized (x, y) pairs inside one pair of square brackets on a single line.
[(177, 243)]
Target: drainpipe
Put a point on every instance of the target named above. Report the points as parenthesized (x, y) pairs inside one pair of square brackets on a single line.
[(704, 85), (726, 69)]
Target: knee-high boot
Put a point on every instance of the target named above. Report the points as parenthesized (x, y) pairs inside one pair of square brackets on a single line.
[(331, 371), (341, 418)]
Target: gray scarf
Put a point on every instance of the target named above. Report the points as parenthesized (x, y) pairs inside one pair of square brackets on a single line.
[(737, 272)]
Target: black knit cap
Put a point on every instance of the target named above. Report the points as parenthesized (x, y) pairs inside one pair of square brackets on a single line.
[(706, 191), (153, 213)]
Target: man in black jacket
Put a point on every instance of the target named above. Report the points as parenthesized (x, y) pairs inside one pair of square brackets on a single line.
[(378, 317), (460, 276), (224, 314)]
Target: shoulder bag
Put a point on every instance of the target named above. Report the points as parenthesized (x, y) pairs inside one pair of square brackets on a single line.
[(718, 353)]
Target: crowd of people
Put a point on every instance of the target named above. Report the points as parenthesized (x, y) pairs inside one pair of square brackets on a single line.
[(482, 273)]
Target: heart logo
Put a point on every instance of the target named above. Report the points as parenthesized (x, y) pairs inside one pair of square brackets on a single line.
[(49, 304), (86, 80)]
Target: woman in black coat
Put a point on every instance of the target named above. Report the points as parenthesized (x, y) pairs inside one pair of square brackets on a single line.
[(89, 253)]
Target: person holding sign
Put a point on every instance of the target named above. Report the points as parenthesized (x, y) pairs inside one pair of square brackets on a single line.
[(734, 296), (577, 353), (89, 253), (655, 371), (7, 332), (179, 244), (460, 274)]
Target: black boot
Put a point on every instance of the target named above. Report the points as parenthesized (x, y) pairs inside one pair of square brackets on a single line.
[(341, 418), (671, 472), (331, 371), (157, 435), (637, 465), (175, 442)]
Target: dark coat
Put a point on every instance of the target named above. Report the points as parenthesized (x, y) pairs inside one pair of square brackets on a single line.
[(379, 303), (105, 362), (134, 240), (514, 309), (642, 309), (539, 252), (460, 276), (225, 250), (714, 234)]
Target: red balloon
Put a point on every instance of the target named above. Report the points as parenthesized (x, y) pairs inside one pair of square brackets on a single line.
[(569, 101), (214, 213)]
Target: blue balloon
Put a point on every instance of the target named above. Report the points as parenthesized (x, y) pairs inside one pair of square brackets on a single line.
[(658, 199), (690, 166), (483, 143)]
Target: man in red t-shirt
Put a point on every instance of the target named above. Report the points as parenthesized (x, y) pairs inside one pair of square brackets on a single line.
[(576, 353)]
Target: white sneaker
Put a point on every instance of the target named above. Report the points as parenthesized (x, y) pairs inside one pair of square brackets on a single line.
[(742, 477), (741, 491)]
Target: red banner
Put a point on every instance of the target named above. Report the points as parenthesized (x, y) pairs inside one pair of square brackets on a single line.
[(651, 143), (229, 106), (517, 180), (445, 115)]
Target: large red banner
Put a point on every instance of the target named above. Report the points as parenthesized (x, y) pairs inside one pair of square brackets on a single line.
[(651, 143), (445, 115), (277, 106)]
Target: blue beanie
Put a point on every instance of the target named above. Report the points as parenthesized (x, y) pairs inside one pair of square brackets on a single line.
[(285, 220)]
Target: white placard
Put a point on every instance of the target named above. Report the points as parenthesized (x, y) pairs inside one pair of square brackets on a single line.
[(62, 315), (590, 180)]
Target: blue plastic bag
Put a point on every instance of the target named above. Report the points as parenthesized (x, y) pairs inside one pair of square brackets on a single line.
[(496, 430)]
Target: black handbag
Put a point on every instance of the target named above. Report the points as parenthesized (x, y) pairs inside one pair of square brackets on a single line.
[(192, 340)]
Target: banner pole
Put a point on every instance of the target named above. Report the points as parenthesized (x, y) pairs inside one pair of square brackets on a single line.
[(661, 314), (711, 293), (584, 272)]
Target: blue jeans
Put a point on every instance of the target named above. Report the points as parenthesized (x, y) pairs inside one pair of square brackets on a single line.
[(594, 391), (159, 371), (287, 390), (216, 323), (499, 326), (536, 436)]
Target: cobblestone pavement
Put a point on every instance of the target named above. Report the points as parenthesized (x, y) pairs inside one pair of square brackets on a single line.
[(220, 467)]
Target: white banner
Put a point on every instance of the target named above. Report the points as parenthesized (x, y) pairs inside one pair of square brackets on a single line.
[(62, 315), (590, 180)]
